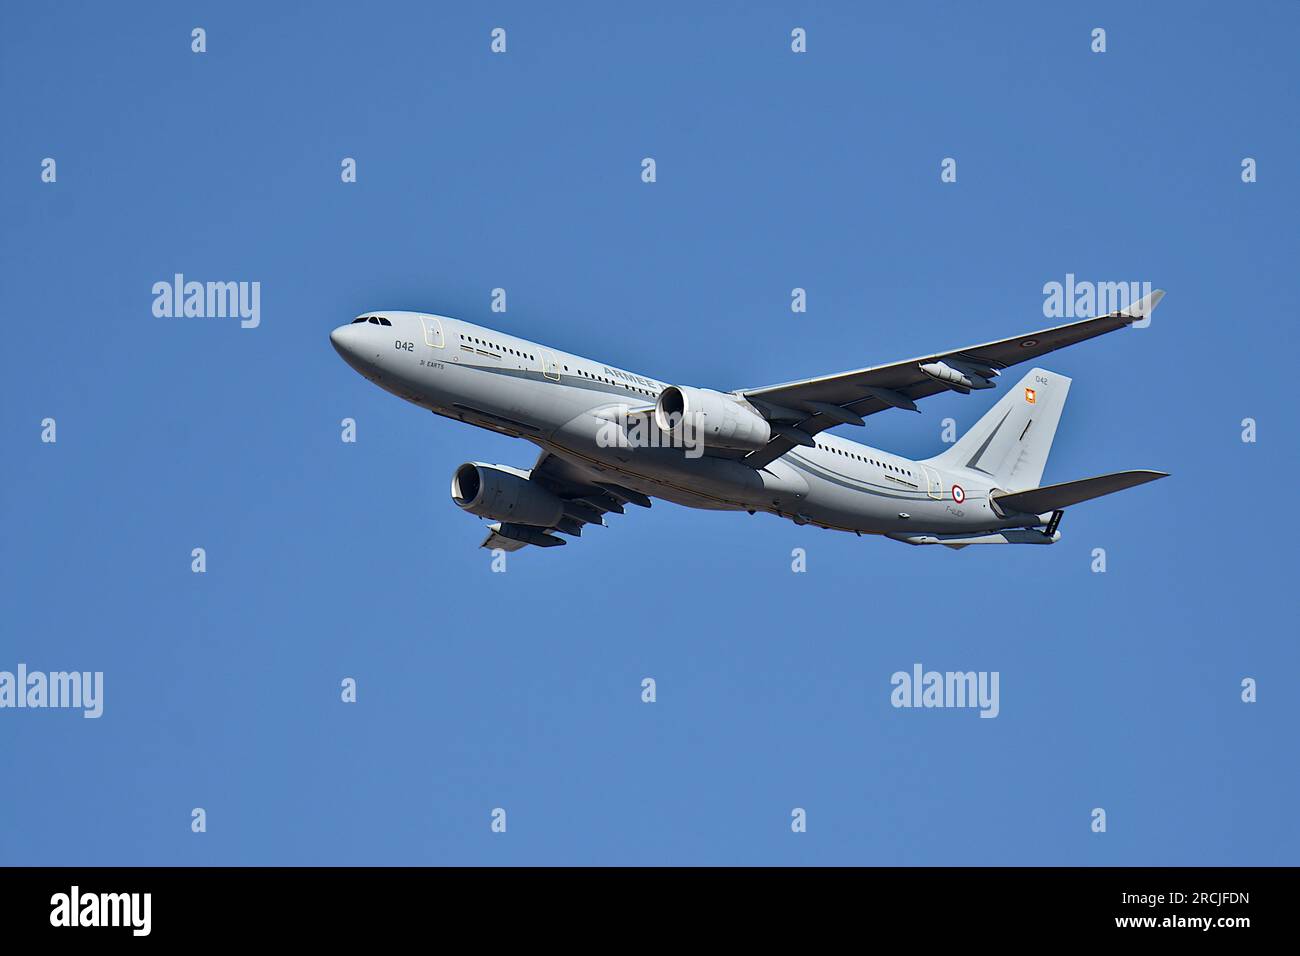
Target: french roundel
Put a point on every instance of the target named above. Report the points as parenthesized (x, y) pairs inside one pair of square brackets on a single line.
[(958, 494)]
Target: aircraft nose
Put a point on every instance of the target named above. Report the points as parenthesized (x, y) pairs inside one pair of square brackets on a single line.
[(344, 340), (359, 347)]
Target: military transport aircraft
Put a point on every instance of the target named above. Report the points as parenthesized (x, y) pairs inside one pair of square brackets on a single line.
[(610, 438)]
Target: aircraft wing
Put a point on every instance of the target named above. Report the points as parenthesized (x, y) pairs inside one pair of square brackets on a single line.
[(802, 409), (586, 502)]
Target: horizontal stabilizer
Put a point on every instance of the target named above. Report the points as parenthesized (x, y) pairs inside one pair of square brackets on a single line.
[(1037, 501)]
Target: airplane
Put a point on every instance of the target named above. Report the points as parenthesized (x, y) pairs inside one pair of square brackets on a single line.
[(610, 438)]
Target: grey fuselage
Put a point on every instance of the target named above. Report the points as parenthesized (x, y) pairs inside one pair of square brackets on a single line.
[(561, 401)]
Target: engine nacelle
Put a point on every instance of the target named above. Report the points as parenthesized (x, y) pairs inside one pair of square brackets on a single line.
[(492, 491), (720, 420)]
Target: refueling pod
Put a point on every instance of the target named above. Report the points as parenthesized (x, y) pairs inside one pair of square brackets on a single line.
[(960, 375)]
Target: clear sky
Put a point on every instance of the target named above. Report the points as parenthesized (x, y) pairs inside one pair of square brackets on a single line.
[(477, 690)]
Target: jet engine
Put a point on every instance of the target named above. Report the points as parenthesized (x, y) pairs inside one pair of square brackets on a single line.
[(720, 420), (504, 494)]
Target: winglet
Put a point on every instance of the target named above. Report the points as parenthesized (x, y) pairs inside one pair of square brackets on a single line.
[(1143, 307)]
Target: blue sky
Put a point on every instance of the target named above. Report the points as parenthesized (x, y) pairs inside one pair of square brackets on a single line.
[(522, 690)]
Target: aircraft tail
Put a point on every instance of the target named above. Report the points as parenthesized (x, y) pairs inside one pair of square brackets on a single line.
[(1011, 442)]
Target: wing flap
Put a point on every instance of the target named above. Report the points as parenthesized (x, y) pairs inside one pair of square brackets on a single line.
[(495, 540)]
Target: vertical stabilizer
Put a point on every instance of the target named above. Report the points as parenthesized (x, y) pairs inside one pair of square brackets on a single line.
[(1011, 442)]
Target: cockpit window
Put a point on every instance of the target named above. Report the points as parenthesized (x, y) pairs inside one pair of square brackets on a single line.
[(373, 320), (361, 319), (384, 321)]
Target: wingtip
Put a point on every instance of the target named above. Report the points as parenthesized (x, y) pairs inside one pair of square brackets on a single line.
[(1143, 307)]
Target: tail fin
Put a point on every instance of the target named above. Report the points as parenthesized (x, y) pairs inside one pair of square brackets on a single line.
[(1011, 442)]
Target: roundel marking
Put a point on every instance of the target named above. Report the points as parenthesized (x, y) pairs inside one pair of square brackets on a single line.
[(958, 494), (1028, 343)]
